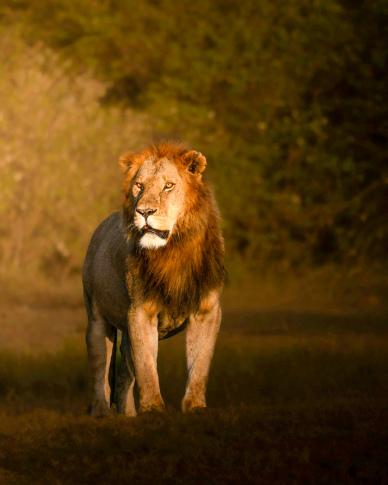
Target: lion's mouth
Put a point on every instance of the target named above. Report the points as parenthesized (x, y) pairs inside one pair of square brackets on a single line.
[(148, 229)]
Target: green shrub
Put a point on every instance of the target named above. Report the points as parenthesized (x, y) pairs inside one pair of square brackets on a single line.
[(286, 100)]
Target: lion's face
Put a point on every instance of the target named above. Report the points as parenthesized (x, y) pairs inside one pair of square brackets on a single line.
[(157, 189), (159, 194)]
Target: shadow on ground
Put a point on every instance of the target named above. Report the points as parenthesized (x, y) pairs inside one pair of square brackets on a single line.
[(294, 397)]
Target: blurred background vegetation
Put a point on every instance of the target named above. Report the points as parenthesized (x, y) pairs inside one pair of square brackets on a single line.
[(287, 100)]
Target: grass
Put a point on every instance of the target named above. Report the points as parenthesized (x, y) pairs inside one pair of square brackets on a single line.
[(233, 445), (294, 398)]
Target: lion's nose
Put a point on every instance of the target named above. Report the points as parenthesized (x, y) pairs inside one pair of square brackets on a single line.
[(146, 212)]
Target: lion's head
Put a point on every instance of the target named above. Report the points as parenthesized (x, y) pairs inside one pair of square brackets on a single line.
[(173, 219), (162, 184)]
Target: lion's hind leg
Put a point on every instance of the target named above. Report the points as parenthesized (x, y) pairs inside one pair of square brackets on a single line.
[(126, 379), (100, 338)]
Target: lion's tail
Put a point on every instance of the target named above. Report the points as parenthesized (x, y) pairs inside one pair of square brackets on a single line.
[(112, 371)]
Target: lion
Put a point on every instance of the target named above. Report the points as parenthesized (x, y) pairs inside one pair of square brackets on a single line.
[(151, 270)]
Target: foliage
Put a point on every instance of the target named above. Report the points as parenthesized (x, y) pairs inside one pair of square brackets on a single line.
[(286, 99), (58, 155)]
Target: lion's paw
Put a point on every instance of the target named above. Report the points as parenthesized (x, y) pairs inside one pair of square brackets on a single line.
[(99, 409), (193, 406), (158, 407)]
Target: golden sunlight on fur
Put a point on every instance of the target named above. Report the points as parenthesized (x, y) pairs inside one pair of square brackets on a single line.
[(152, 270)]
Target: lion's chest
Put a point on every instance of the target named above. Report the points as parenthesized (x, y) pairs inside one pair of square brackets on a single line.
[(169, 325)]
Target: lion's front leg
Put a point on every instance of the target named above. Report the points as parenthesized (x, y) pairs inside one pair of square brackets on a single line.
[(201, 337), (143, 333)]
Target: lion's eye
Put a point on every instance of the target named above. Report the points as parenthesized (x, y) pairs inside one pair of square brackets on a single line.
[(169, 186), (139, 185)]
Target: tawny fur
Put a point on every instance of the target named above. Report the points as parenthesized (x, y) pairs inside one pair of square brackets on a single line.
[(191, 265), (151, 291)]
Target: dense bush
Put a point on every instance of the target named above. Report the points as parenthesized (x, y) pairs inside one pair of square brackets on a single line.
[(58, 159), (287, 99)]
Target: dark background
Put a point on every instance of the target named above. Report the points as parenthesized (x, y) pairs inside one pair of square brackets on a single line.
[(288, 101)]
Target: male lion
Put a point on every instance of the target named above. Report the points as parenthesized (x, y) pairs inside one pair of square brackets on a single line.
[(151, 270)]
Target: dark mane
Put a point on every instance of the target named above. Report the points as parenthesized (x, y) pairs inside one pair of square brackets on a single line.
[(180, 274)]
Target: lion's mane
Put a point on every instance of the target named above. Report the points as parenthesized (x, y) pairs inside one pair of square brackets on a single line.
[(180, 274)]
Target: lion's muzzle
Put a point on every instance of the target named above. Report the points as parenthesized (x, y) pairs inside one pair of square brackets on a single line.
[(148, 229)]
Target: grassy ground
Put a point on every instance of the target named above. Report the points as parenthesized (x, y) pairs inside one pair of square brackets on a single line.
[(294, 397)]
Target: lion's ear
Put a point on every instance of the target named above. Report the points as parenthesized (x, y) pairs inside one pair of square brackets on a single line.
[(127, 162), (195, 162)]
